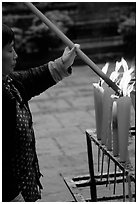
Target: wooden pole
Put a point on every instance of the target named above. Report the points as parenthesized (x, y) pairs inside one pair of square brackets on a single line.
[(70, 44)]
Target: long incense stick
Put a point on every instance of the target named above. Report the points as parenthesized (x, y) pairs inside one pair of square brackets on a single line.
[(69, 43)]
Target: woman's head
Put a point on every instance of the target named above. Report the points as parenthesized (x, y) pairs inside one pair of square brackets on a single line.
[(7, 35), (9, 55)]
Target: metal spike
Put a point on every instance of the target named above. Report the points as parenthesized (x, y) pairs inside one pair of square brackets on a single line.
[(124, 195), (98, 158), (114, 179), (108, 171), (102, 165), (129, 188)]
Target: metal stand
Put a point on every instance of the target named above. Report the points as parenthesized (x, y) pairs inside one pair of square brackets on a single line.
[(124, 174), (120, 181)]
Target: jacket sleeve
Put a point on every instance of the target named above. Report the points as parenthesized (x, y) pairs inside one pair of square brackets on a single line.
[(35, 80)]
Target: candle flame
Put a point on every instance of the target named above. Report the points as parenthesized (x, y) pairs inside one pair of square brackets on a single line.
[(114, 75), (104, 70), (124, 83), (124, 64), (122, 79)]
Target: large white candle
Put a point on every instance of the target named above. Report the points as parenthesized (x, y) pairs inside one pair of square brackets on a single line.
[(98, 98), (115, 129), (123, 116), (106, 136)]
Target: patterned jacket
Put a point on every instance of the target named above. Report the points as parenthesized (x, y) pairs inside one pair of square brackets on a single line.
[(20, 169)]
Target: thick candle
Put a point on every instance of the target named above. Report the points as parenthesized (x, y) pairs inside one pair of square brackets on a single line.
[(106, 136), (115, 129), (98, 98), (123, 116)]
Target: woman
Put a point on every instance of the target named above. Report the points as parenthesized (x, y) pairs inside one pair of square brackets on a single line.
[(20, 168)]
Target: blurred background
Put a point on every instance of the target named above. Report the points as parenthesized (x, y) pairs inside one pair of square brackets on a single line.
[(106, 31)]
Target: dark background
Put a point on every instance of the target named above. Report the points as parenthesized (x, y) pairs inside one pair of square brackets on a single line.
[(105, 30)]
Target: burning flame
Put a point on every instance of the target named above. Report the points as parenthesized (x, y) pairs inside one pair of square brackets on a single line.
[(104, 70), (114, 75), (124, 83), (122, 79)]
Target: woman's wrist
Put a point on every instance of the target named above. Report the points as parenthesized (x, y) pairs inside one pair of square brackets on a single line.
[(58, 69)]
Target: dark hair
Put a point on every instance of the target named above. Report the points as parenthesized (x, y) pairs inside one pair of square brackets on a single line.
[(7, 35)]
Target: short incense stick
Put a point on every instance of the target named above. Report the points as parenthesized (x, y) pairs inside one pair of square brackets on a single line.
[(69, 43)]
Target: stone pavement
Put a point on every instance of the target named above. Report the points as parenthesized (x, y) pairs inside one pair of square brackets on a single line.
[(61, 115)]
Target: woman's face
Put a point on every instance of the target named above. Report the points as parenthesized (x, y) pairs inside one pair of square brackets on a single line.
[(9, 57)]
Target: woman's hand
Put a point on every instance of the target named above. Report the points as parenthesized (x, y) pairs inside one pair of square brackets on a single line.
[(61, 67), (69, 56)]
